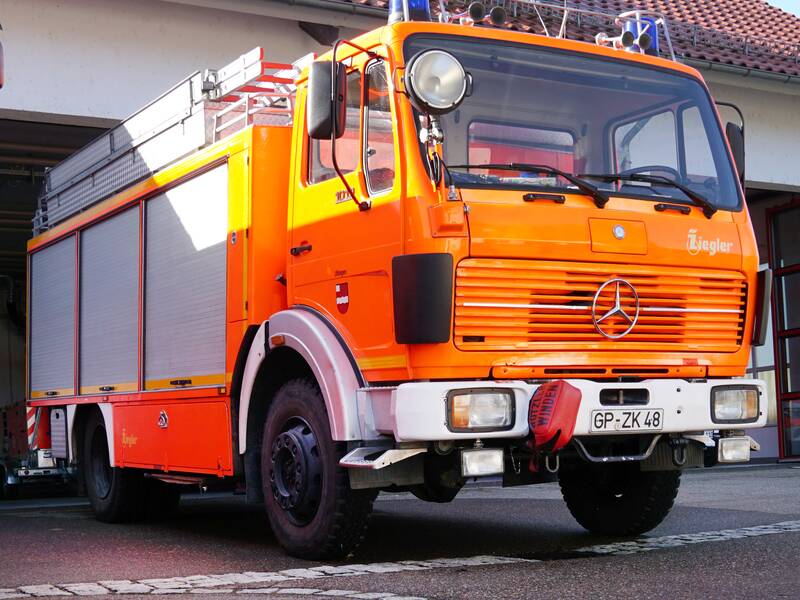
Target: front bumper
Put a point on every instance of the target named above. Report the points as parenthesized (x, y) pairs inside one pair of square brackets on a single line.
[(415, 412)]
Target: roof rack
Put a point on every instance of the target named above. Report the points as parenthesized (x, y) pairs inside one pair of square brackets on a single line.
[(569, 19), (200, 110), (565, 13)]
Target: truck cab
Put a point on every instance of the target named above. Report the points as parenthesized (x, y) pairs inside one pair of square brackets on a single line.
[(561, 232)]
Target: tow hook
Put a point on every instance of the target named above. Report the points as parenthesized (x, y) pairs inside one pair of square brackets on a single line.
[(678, 445), (554, 467)]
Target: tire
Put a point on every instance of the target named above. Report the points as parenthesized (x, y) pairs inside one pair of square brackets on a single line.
[(11, 492), (116, 495), (312, 510), (7, 491), (618, 499)]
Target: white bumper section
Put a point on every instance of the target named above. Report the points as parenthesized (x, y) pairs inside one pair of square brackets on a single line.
[(413, 412)]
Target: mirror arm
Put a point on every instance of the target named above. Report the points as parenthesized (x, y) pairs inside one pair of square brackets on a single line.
[(370, 53), (736, 109), (365, 205)]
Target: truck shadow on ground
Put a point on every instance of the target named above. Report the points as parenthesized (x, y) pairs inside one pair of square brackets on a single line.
[(403, 529)]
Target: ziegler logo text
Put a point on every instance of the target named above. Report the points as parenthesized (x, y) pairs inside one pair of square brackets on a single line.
[(696, 243)]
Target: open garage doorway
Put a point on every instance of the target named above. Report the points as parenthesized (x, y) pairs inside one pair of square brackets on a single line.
[(27, 148), (784, 245), (776, 220)]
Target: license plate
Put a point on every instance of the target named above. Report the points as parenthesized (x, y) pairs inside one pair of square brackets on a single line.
[(650, 419)]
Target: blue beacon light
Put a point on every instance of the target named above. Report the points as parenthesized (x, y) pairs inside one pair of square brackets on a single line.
[(644, 25), (409, 10)]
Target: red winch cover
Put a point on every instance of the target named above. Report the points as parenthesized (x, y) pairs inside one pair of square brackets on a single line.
[(552, 414)]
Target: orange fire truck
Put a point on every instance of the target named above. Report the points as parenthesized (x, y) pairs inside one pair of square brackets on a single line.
[(441, 251)]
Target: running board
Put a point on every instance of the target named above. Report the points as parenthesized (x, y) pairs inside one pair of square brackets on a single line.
[(357, 459)]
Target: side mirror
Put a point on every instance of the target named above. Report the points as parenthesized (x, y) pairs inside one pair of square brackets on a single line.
[(323, 116), (736, 140)]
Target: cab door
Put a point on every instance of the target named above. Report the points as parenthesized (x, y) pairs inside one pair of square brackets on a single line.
[(341, 255)]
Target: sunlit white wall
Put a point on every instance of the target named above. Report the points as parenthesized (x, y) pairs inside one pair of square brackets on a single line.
[(772, 116), (107, 58)]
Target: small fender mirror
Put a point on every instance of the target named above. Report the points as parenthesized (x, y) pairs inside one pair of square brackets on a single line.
[(323, 117), (735, 136)]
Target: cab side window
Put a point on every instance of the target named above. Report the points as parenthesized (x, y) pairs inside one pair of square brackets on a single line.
[(320, 165), (378, 137)]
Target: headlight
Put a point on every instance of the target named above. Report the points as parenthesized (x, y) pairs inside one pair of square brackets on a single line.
[(734, 404), (480, 410), (436, 81)]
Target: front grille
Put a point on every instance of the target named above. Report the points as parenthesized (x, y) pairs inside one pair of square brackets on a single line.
[(509, 304)]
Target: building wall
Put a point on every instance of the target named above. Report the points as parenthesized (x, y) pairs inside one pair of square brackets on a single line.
[(772, 119), (105, 59)]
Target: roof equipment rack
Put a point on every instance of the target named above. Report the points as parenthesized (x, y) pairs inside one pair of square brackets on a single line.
[(200, 110)]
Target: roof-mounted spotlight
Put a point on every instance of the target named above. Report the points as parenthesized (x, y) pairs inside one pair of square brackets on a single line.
[(436, 81)]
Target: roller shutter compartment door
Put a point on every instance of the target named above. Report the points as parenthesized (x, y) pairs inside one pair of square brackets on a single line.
[(52, 319), (185, 233), (109, 305)]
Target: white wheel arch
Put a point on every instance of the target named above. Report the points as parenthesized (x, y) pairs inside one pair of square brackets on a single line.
[(308, 335), (108, 417)]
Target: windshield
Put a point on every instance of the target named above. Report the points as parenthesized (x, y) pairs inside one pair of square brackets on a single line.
[(585, 116)]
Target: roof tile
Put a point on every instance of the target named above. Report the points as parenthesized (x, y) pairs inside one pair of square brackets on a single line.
[(751, 34)]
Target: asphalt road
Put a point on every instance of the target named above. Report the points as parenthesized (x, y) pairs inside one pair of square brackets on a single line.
[(734, 533)]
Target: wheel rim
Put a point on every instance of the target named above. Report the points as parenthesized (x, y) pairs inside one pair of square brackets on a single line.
[(296, 471), (101, 465)]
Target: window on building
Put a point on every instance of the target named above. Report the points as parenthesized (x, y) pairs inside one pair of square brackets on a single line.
[(320, 165), (379, 140)]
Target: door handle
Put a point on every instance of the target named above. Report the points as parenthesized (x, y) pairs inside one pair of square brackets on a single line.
[(298, 250)]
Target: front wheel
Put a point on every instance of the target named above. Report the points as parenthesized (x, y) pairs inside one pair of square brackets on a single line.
[(618, 499), (312, 510)]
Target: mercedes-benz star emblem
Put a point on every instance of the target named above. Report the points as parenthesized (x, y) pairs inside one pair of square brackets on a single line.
[(617, 312)]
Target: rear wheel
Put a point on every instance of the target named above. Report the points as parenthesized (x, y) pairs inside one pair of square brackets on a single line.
[(7, 491), (618, 499), (116, 495), (312, 510)]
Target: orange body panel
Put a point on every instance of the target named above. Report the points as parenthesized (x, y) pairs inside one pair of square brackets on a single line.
[(198, 437)]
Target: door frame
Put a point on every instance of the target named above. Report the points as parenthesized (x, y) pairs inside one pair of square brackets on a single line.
[(780, 334)]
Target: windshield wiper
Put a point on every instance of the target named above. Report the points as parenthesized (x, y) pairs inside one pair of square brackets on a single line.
[(698, 200), (599, 197)]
